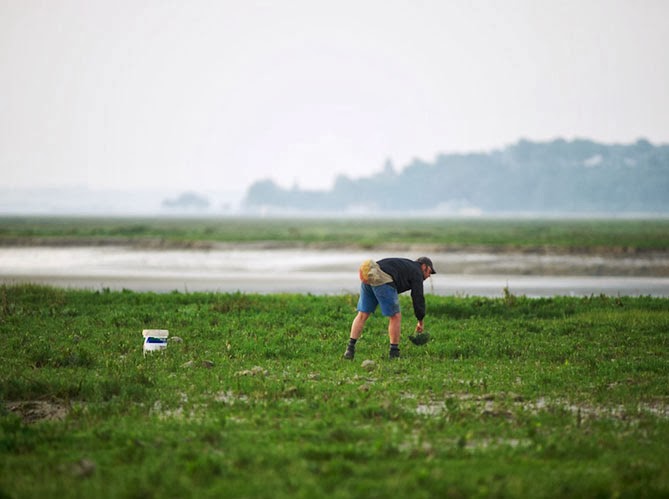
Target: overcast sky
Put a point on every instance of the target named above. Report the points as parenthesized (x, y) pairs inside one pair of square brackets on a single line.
[(204, 95)]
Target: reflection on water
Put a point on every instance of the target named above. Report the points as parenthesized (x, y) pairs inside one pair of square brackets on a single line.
[(128, 261), (318, 271)]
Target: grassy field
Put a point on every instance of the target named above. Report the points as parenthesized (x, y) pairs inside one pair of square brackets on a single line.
[(513, 397), (558, 235)]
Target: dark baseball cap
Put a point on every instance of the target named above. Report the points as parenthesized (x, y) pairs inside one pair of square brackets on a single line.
[(428, 262)]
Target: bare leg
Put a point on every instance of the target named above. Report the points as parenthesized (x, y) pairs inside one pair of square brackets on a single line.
[(394, 328), (358, 324)]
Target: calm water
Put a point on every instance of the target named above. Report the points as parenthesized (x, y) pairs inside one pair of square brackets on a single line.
[(309, 271)]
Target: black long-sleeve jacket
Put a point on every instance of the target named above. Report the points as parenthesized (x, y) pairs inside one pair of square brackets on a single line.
[(406, 275)]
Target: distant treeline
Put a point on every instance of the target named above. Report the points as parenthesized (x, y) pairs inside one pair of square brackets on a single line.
[(561, 176)]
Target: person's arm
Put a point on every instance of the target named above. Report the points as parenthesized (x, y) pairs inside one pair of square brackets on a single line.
[(418, 300)]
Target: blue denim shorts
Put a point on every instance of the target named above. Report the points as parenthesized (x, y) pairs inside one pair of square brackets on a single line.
[(384, 295)]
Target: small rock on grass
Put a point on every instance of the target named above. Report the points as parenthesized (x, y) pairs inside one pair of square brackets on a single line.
[(83, 468), (254, 371), (205, 363), (368, 365)]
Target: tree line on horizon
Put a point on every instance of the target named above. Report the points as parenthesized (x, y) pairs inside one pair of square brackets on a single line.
[(579, 176)]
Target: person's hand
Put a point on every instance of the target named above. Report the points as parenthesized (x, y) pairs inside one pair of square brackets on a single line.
[(420, 337)]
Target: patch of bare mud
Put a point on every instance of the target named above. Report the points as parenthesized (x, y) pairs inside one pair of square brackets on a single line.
[(506, 405), (36, 411)]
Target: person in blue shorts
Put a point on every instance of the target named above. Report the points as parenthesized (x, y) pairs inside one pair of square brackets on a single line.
[(381, 284)]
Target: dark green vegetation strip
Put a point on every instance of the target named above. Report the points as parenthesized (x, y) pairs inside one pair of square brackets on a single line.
[(566, 235), (512, 397)]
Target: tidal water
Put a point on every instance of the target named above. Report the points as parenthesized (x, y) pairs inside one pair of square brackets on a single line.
[(323, 271)]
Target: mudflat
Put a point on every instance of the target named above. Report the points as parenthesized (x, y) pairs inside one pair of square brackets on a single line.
[(257, 269)]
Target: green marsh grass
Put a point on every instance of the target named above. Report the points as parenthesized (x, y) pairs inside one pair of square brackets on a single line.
[(513, 397), (619, 235)]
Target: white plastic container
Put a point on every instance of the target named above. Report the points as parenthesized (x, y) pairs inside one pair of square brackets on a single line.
[(155, 339)]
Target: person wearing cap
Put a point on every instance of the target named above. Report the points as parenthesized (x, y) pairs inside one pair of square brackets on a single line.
[(381, 284)]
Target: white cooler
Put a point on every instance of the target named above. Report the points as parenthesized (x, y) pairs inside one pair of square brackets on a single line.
[(155, 339)]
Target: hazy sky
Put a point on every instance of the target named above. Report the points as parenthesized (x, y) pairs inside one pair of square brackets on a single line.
[(203, 95)]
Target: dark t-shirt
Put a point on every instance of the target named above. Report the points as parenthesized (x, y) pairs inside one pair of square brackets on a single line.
[(406, 275)]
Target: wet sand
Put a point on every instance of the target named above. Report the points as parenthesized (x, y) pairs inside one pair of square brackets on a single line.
[(327, 271)]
